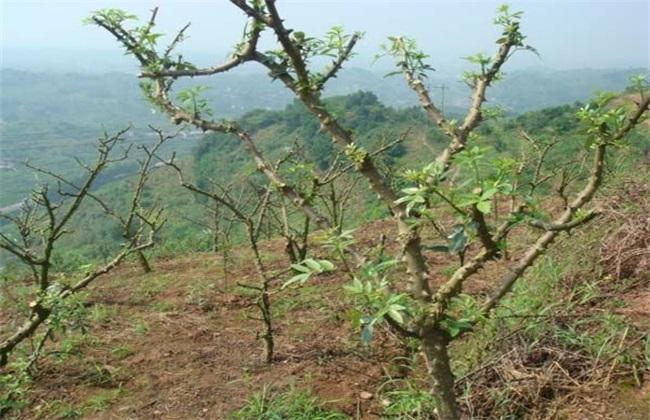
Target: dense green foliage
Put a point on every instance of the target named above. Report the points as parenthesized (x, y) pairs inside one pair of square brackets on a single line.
[(370, 119)]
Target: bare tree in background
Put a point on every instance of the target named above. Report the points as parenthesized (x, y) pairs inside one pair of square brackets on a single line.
[(128, 219), (250, 209), (44, 219)]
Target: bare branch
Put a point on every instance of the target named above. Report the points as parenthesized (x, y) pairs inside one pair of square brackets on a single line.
[(564, 226), (244, 54)]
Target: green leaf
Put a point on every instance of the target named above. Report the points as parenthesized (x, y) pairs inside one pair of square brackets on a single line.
[(457, 326), (313, 265), (484, 206), (489, 193), (326, 265), (394, 311), (457, 239), (393, 73), (411, 190), (300, 268), (468, 200), (385, 265), (404, 199), (367, 288), (356, 287), (299, 278), (506, 188)]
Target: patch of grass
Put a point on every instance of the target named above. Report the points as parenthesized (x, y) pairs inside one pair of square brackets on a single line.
[(306, 297), (200, 293), (141, 327), (14, 385), (102, 313), (535, 295), (101, 375), (163, 306), (102, 400), (64, 410), (407, 400), (138, 299), (16, 302), (599, 335), (122, 352), (152, 285), (561, 314), (73, 344), (293, 404), (631, 403), (246, 292)]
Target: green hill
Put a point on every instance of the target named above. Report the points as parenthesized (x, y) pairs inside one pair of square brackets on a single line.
[(223, 159)]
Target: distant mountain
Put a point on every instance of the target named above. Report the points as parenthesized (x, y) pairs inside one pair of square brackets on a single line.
[(539, 88), (60, 100), (49, 116)]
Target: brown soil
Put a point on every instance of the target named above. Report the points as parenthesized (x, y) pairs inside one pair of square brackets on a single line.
[(204, 360), (175, 346), (637, 306)]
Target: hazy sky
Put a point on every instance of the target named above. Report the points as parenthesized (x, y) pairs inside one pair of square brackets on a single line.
[(567, 33)]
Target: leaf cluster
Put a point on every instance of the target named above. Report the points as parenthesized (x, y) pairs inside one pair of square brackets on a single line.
[(409, 57), (308, 268), (372, 289)]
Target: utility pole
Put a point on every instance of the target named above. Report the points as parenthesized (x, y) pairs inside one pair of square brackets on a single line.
[(443, 88)]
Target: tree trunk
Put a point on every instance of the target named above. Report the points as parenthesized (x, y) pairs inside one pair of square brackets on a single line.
[(290, 250), (269, 344), (38, 316), (434, 345), (143, 262), (225, 257), (264, 302), (215, 243)]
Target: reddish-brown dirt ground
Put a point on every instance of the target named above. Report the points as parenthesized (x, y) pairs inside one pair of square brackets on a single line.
[(173, 345), (171, 356)]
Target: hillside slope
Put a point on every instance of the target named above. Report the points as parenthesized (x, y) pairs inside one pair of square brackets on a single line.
[(182, 342)]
